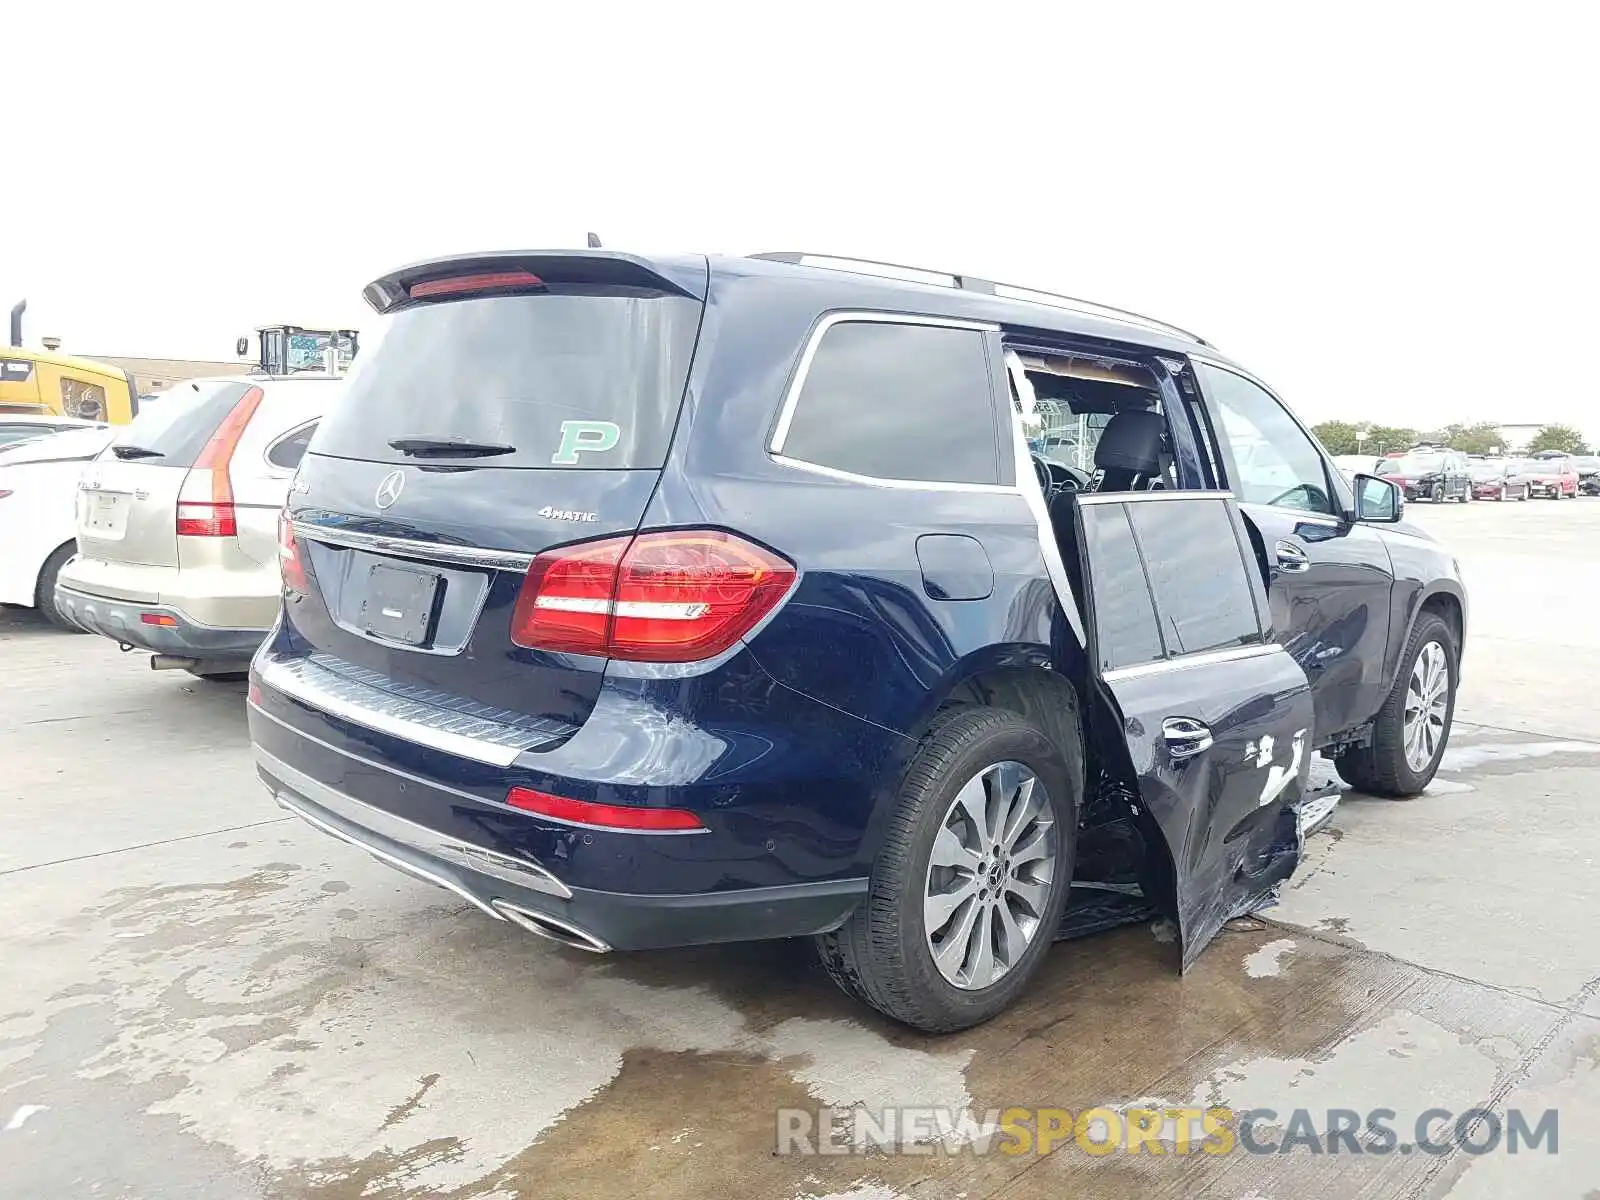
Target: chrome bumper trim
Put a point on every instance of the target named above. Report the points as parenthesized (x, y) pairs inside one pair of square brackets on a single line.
[(432, 719), (504, 867), (445, 552)]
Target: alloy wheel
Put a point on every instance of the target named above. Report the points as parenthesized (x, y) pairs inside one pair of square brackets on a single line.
[(1427, 701), (990, 875)]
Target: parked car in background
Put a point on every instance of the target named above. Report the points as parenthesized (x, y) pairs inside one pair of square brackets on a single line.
[(744, 612), (19, 427), (1360, 464), (1431, 473), (1552, 475), (38, 481), (1498, 479), (1588, 468), (177, 521)]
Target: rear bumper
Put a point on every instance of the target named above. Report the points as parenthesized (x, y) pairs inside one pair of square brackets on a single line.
[(517, 888), (123, 621)]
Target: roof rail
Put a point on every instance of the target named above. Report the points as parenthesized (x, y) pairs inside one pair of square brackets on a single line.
[(973, 283)]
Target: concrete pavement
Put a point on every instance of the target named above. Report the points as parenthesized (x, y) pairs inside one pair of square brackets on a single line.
[(199, 998)]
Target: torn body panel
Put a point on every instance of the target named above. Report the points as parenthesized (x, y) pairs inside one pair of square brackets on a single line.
[(1205, 725)]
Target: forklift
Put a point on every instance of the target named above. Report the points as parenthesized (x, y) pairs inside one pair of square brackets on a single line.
[(295, 350)]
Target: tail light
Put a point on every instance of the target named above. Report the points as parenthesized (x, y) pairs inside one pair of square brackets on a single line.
[(215, 517), (677, 596), (603, 816), (290, 566)]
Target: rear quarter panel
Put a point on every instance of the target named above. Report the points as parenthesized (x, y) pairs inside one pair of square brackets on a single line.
[(35, 521), (859, 633)]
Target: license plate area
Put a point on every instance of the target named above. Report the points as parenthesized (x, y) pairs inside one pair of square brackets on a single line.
[(400, 604), (105, 513)]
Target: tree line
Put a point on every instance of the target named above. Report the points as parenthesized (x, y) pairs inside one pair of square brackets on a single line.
[(1482, 437)]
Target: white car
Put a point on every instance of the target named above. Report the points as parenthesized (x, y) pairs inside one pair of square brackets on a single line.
[(38, 492), (20, 427)]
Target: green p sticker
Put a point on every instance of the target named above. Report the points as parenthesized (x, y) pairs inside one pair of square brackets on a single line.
[(580, 437)]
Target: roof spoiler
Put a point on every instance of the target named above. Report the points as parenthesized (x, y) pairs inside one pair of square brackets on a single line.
[(603, 267)]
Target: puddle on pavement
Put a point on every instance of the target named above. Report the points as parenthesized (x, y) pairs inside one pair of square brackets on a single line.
[(438, 1054)]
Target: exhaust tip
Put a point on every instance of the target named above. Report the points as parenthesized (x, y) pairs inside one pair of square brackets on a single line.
[(550, 927)]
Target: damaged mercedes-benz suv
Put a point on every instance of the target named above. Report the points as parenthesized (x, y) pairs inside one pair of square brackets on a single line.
[(649, 602)]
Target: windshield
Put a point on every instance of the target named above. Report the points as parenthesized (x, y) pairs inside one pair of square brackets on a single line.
[(581, 377), (1489, 468), (1417, 464)]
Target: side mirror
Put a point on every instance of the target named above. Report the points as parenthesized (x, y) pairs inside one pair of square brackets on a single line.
[(1378, 500)]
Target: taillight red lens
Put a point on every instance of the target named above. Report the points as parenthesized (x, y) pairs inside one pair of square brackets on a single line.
[(677, 596), (489, 281), (207, 518), (603, 816), (290, 567), (215, 517)]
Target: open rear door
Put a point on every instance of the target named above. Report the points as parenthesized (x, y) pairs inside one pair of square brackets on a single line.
[(1217, 717)]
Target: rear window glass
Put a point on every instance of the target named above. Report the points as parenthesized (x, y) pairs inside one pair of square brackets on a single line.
[(581, 377), (178, 428), (288, 451), (898, 401)]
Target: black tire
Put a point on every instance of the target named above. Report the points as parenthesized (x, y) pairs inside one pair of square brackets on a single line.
[(1380, 769), (44, 592), (1436, 493), (880, 955)]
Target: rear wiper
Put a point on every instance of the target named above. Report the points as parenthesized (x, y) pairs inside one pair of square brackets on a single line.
[(426, 447), (126, 452)]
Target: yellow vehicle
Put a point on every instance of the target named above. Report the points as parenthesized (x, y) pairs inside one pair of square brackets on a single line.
[(44, 381)]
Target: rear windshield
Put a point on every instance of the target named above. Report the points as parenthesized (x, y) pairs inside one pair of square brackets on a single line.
[(178, 428), (576, 378)]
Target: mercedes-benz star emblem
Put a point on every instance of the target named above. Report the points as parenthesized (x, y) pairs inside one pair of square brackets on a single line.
[(389, 490)]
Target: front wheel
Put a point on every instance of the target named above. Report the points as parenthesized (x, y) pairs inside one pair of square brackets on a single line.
[(969, 886), (1412, 728), (1502, 496), (1436, 493)]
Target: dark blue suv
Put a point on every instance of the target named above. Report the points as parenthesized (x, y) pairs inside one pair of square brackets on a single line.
[(653, 602)]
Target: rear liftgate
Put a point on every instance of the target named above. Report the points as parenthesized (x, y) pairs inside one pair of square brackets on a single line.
[(1216, 718)]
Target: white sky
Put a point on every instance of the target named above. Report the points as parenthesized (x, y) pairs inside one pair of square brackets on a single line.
[(1387, 211)]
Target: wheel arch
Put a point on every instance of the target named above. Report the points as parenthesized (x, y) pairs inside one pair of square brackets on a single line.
[(1020, 678), (38, 574)]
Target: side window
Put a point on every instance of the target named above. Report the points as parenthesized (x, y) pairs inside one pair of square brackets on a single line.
[(288, 450), (1125, 629), (1274, 462), (1198, 574), (898, 401)]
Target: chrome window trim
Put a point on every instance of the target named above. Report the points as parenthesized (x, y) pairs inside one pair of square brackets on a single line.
[(1218, 494), (919, 485), (1201, 658), (505, 867), (780, 431), (464, 556), (289, 677)]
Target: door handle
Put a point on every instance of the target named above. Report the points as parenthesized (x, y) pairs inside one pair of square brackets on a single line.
[(1291, 557), (1185, 736)]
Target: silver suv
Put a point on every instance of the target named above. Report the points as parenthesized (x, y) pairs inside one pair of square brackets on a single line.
[(177, 521)]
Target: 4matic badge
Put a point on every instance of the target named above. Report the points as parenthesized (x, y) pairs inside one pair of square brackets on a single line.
[(566, 514)]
